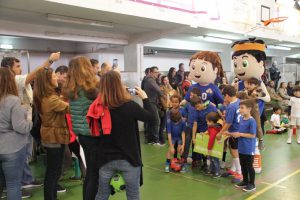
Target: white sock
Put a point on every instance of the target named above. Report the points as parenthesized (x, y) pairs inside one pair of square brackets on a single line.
[(237, 164), (232, 168), (298, 134), (290, 134)]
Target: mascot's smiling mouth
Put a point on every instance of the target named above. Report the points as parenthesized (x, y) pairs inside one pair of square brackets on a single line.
[(197, 76), (242, 74)]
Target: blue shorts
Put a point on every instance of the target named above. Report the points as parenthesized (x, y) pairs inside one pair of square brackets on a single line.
[(179, 141)]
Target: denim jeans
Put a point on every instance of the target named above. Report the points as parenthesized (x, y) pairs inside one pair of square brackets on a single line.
[(55, 157), (11, 168), (90, 184), (214, 165), (130, 174), (27, 177), (153, 126)]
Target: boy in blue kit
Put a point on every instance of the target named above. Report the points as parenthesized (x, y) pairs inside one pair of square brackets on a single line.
[(246, 147), (175, 130), (200, 125), (189, 114), (231, 125)]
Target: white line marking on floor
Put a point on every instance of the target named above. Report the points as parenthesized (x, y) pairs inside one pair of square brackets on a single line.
[(187, 177), (279, 186)]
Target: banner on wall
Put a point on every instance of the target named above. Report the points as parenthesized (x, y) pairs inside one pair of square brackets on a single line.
[(202, 142)]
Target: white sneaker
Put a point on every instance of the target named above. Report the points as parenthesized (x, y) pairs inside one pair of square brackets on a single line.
[(289, 141), (158, 144)]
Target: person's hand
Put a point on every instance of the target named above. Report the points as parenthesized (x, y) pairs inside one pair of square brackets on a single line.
[(209, 152), (219, 136), (141, 93), (235, 134), (181, 150), (172, 150), (194, 140), (54, 56), (261, 145)]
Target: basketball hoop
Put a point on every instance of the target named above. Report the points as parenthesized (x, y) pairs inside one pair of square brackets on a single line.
[(274, 20)]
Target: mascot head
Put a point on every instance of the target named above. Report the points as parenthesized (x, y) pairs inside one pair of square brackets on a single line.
[(248, 58), (205, 66)]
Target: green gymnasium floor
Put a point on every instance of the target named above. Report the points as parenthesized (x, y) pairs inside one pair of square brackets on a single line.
[(279, 179)]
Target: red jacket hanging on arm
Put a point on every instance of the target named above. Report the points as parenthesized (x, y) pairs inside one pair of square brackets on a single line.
[(98, 118), (212, 132)]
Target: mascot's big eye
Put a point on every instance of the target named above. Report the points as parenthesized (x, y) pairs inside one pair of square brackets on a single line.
[(235, 64), (245, 63), (203, 68)]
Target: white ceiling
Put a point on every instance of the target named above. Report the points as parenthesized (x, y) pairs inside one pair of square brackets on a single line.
[(35, 12)]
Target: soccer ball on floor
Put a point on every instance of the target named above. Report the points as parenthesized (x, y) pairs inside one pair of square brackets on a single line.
[(117, 183)]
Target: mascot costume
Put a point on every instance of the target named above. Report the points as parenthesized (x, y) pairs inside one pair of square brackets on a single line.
[(205, 67), (248, 60)]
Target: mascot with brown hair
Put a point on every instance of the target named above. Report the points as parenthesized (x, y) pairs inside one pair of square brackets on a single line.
[(248, 60), (205, 67)]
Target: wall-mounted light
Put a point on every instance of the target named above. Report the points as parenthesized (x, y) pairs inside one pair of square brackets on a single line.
[(6, 46), (215, 39), (75, 20), (279, 47)]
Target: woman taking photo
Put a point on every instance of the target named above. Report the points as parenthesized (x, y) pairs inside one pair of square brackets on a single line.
[(54, 132), (120, 150), (172, 78), (80, 90), (14, 131)]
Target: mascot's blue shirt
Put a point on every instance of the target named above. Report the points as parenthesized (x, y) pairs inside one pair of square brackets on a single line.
[(208, 92), (261, 103)]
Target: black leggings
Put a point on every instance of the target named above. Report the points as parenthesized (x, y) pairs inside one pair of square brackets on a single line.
[(90, 185), (248, 172), (75, 148), (55, 157)]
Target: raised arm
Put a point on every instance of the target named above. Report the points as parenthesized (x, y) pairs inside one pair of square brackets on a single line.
[(266, 98), (53, 57)]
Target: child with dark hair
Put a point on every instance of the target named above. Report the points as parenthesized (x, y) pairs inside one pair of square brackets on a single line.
[(275, 120), (295, 114), (175, 130), (186, 83), (246, 146), (214, 127), (231, 125), (200, 125), (189, 114)]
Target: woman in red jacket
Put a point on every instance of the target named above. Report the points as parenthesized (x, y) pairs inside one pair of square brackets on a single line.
[(119, 144)]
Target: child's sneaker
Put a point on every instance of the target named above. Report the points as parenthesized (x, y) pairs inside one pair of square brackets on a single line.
[(183, 169), (167, 168), (228, 173), (289, 141), (249, 188), (237, 178), (207, 173), (216, 175), (241, 185)]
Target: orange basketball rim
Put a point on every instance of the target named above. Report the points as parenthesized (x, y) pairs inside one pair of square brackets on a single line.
[(274, 20)]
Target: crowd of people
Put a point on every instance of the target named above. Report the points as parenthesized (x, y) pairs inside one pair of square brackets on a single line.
[(86, 105)]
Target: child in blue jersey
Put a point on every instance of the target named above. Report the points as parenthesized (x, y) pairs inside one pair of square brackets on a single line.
[(176, 135), (231, 125), (189, 114), (200, 125), (246, 146)]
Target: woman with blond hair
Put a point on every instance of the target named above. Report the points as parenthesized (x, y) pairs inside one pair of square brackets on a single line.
[(120, 150), (15, 128), (80, 90), (54, 132)]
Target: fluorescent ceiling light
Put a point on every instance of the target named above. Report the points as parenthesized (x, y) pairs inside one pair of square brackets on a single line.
[(215, 39), (75, 20), (6, 46), (279, 47), (290, 45), (224, 36)]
